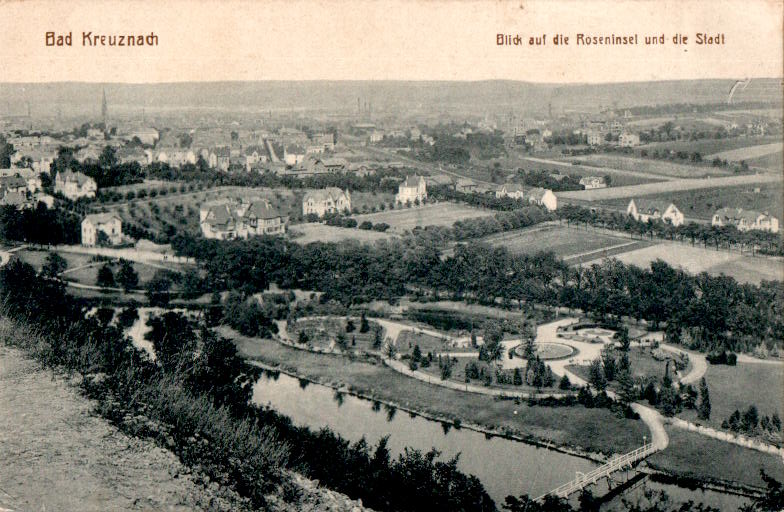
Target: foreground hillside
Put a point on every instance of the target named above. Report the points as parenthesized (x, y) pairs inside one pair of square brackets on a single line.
[(58, 455)]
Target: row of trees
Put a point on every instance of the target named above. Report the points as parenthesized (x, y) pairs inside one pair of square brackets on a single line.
[(703, 311)]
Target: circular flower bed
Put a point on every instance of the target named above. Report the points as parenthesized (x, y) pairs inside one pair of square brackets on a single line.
[(549, 351)]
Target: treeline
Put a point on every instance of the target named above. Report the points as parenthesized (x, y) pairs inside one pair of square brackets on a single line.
[(708, 235), (703, 312), (197, 395), (39, 225)]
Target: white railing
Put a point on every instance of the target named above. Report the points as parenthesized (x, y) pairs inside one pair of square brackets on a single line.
[(614, 464)]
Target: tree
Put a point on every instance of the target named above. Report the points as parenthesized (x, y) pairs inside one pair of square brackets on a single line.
[(750, 419), (628, 392), (127, 277), (517, 378), (564, 383), (172, 338), (596, 375), (54, 265), (704, 409), (127, 317), (608, 360), (105, 276), (364, 326), (416, 355), (350, 327), (493, 334), (158, 288), (377, 336)]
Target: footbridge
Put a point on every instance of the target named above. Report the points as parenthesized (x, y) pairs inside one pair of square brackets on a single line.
[(620, 462)]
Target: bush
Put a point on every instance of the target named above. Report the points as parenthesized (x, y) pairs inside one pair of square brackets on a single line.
[(366, 225)]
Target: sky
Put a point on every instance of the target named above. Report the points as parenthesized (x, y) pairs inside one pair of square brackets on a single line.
[(391, 40)]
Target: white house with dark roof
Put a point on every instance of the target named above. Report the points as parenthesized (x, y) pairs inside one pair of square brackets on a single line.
[(592, 182), (107, 223), (652, 209), (745, 220), (542, 197), (74, 185), (411, 189), (513, 190), (328, 200)]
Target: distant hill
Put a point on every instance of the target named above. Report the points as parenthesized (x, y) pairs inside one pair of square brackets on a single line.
[(483, 96)]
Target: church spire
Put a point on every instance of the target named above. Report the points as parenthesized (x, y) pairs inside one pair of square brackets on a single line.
[(104, 110)]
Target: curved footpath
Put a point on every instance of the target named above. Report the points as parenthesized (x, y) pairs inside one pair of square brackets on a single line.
[(549, 333)]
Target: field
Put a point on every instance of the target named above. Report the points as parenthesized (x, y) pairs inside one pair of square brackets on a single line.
[(619, 177), (648, 189), (317, 232), (773, 161), (738, 387), (702, 204), (654, 168), (708, 146), (441, 214), (745, 269), (748, 153), (569, 243)]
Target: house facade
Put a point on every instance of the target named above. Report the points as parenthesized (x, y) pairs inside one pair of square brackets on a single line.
[(542, 197), (513, 190), (411, 189), (107, 223), (649, 209), (226, 220), (74, 185), (627, 140), (328, 200), (745, 220)]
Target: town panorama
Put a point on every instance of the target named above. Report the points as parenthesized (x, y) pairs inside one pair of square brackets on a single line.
[(392, 296)]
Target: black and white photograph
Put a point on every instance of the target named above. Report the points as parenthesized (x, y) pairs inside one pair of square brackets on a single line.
[(392, 256)]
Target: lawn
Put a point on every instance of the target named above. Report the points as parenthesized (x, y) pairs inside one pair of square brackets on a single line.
[(690, 454), (441, 214), (655, 168), (317, 232), (738, 387), (407, 340), (38, 258), (592, 429), (694, 259), (566, 242), (702, 204)]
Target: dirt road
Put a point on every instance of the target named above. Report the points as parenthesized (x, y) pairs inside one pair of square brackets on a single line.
[(57, 455)]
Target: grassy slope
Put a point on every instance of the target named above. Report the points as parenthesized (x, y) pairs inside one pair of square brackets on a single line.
[(692, 454)]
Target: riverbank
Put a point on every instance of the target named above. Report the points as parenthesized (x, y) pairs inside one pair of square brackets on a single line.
[(574, 430), (549, 427)]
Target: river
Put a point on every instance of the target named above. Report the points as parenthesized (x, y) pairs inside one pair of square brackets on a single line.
[(504, 466)]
